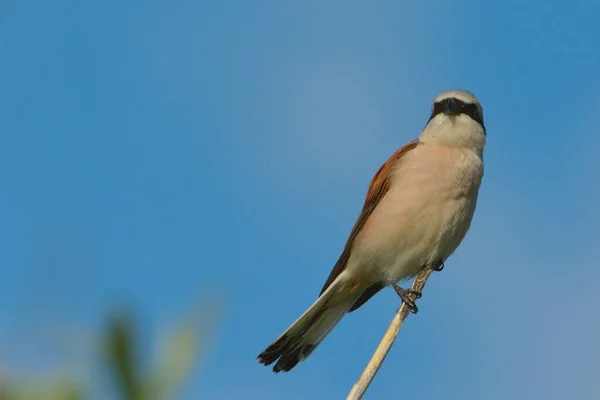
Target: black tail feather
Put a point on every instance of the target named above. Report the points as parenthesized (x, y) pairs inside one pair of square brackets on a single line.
[(289, 353), (274, 351), (288, 349), (303, 336)]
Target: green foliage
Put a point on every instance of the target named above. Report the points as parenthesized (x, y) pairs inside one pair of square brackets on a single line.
[(53, 389), (121, 350), (122, 358), (174, 364)]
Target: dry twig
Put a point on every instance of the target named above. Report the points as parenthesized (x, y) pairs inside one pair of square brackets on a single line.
[(360, 387)]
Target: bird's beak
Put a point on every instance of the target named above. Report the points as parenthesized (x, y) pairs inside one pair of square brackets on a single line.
[(451, 107)]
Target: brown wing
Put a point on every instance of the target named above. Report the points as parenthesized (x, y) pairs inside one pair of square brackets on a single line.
[(377, 190)]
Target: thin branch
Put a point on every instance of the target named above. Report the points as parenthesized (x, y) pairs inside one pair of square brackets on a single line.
[(360, 387)]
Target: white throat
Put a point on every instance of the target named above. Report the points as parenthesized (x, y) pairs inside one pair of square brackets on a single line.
[(454, 131)]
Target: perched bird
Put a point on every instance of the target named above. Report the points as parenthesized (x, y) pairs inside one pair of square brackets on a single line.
[(418, 208)]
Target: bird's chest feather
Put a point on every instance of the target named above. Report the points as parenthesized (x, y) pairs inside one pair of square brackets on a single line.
[(427, 210)]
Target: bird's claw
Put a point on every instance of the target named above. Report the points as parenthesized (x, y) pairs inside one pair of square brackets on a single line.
[(405, 296)]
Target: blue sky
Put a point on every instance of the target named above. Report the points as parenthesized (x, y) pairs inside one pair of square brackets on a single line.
[(153, 152)]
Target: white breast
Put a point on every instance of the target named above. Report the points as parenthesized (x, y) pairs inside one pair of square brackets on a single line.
[(425, 214)]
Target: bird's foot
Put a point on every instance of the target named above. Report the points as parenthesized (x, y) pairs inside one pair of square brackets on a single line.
[(405, 296), (438, 266)]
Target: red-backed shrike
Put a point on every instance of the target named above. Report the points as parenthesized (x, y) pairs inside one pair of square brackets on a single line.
[(418, 209)]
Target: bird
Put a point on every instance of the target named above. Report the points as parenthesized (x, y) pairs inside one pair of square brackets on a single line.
[(418, 209)]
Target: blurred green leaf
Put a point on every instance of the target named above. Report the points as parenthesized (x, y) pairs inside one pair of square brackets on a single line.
[(176, 362), (121, 354), (57, 389), (180, 353), (120, 349)]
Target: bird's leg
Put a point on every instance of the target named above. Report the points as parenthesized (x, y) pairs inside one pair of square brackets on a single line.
[(438, 266), (405, 296)]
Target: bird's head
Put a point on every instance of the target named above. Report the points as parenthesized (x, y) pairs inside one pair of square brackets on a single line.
[(456, 120)]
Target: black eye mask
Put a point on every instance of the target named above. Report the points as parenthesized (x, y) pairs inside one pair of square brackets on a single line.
[(457, 106)]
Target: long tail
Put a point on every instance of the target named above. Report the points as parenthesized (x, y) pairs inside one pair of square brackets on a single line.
[(304, 335)]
